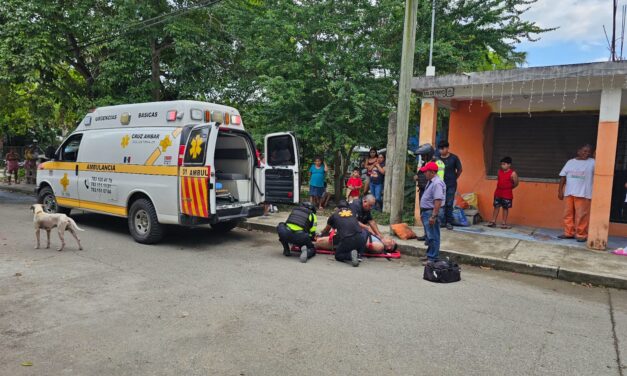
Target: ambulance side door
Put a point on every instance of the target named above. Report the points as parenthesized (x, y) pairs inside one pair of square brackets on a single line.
[(280, 182), (65, 177)]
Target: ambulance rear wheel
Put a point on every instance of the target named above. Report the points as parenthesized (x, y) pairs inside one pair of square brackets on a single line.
[(49, 203), (142, 222), (224, 226)]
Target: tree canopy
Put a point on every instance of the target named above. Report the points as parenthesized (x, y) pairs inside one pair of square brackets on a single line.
[(326, 69)]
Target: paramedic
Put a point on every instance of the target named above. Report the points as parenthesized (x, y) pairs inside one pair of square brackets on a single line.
[(351, 242), (299, 230), (361, 209)]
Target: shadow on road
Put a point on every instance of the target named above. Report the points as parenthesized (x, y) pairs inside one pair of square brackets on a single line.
[(177, 236)]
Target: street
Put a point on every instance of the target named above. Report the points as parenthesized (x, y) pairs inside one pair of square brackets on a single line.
[(203, 303)]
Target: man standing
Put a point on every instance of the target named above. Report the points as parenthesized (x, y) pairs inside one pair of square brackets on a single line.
[(430, 205), (299, 230), (361, 209), (452, 171), (352, 243), (575, 189)]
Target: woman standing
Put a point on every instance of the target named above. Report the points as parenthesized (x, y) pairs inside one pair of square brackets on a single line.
[(377, 178), (317, 175), (371, 161), (13, 164), (575, 189)]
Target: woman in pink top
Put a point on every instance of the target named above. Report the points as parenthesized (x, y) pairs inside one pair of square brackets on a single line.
[(12, 159)]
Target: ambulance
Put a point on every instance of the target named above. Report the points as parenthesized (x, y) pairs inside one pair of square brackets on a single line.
[(181, 162)]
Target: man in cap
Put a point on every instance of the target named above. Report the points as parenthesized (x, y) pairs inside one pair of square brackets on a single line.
[(299, 229), (430, 204)]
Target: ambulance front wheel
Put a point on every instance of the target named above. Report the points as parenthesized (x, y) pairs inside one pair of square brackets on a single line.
[(225, 226), (49, 203), (142, 222)]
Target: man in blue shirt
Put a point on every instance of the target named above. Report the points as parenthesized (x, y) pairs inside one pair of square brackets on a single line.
[(430, 205)]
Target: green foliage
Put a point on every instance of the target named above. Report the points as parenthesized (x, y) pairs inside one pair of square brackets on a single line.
[(325, 69)]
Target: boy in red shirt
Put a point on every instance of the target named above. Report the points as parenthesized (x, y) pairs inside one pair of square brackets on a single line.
[(354, 185), (504, 193)]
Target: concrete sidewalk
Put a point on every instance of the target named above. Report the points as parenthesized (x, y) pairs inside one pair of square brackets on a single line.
[(507, 250)]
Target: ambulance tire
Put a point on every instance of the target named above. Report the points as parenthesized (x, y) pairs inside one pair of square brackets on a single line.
[(47, 198), (225, 226), (142, 222)]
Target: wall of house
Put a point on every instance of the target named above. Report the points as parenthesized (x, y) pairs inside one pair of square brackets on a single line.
[(535, 203)]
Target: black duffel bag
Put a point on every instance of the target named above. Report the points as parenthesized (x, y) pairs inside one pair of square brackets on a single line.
[(442, 271)]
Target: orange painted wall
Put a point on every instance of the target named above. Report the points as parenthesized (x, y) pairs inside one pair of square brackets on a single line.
[(535, 204)]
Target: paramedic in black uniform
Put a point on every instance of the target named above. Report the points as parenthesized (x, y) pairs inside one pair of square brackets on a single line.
[(299, 229), (351, 243), (361, 208)]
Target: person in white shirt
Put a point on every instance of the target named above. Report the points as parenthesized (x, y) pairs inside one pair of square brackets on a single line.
[(575, 188)]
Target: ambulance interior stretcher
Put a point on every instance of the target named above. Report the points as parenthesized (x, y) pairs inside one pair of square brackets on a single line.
[(233, 166)]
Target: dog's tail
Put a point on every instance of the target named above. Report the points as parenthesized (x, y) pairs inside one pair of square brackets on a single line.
[(74, 225)]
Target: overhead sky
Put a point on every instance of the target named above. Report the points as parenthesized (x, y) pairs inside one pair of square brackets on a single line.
[(579, 38)]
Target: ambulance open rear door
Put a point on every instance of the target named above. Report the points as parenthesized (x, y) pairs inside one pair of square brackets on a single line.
[(281, 176), (194, 176)]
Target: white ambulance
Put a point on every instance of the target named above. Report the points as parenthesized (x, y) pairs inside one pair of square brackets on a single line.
[(181, 162)]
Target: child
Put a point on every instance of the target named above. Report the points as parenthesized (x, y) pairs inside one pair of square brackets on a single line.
[(353, 185), (317, 174), (504, 195)]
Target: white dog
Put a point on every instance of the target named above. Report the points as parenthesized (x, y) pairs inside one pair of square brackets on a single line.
[(48, 221)]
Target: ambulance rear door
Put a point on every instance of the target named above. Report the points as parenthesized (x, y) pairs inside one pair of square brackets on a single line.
[(280, 182), (194, 173)]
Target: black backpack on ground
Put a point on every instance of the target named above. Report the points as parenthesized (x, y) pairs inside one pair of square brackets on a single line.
[(442, 271)]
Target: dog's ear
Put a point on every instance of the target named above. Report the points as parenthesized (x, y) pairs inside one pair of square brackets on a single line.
[(32, 208)]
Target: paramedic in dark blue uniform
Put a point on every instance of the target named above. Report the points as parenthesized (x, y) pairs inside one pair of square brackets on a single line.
[(348, 233), (299, 229)]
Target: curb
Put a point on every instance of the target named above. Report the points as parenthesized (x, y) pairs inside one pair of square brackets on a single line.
[(495, 263), (30, 192)]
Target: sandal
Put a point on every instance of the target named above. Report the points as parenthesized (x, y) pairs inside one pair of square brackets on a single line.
[(505, 227), (491, 224)]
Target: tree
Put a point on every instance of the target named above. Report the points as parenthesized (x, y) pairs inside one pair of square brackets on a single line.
[(327, 69)]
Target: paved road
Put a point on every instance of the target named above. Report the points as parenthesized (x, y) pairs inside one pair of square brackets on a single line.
[(203, 303)]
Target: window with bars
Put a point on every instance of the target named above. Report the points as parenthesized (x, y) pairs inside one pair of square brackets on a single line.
[(539, 145)]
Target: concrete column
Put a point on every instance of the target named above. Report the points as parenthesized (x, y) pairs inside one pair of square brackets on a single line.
[(389, 162), (428, 128), (604, 168), (428, 121)]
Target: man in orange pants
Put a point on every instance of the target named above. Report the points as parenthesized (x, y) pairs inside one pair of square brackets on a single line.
[(575, 189)]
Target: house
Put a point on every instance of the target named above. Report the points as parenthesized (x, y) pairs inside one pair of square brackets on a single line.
[(538, 116)]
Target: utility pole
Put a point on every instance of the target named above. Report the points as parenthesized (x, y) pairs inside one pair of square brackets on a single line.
[(613, 44), (404, 96), (431, 68)]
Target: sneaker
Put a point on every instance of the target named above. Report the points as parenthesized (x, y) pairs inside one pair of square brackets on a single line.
[(303, 254), (449, 226), (354, 257), (286, 251)]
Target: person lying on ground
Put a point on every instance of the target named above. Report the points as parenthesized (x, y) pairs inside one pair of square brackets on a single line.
[(374, 244)]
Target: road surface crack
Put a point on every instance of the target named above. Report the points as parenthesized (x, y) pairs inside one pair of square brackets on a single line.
[(616, 344)]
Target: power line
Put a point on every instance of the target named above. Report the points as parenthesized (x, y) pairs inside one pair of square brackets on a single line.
[(141, 25)]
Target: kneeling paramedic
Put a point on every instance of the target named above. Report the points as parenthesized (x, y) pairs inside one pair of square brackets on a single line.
[(299, 230), (352, 242)]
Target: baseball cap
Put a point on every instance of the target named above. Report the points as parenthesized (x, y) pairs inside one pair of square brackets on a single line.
[(430, 166)]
